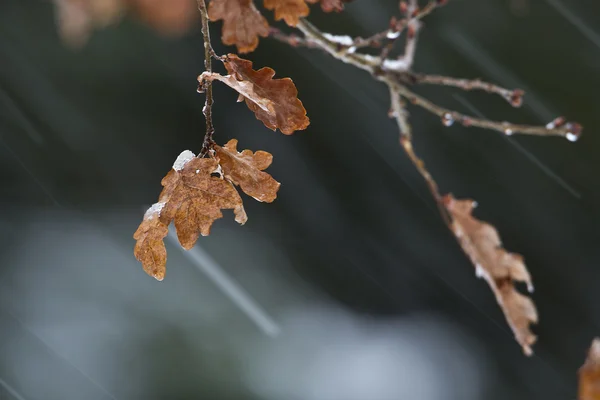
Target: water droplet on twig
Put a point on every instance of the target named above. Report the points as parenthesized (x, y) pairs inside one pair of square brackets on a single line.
[(447, 119)]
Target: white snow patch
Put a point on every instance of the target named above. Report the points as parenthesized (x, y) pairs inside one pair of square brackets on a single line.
[(154, 210), (183, 159), (340, 39), (218, 170), (393, 34), (399, 64)]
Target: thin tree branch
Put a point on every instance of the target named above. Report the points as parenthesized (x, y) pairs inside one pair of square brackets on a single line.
[(569, 130), (362, 61), (514, 97), (209, 53), (399, 113), (393, 79), (292, 39)]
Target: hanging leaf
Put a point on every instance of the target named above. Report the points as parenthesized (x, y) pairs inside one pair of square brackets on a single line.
[(480, 241), (274, 101), (289, 10), (242, 23), (589, 374), (245, 170), (193, 199)]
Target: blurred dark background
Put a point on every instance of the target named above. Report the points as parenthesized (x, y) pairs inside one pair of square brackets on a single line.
[(348, 286)]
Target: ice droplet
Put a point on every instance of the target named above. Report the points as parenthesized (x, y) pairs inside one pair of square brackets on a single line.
[(508, 132), (571, 137), (479, 272), (447, 119)]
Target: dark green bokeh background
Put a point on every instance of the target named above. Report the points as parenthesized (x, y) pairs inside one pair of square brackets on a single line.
[(86, 136)]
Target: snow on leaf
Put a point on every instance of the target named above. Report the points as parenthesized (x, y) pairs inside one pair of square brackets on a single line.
[(242, 23), (245, 169), (289, 10), (589, 374), (193, 199), (274, 101), (183, 158), (480, 241)]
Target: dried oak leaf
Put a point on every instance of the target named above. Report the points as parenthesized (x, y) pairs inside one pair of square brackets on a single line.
[(289, 10), (245, 169), (274, 101), (193, 199), (169, 18), (589, 374), (480, 241), (242, 23), (76, 19)]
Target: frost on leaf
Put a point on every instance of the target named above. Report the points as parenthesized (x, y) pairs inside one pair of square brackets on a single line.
[(242, 23), (245, 169), (480, 241), (289, 10), (589, 374), (274, 101), (193, 199)]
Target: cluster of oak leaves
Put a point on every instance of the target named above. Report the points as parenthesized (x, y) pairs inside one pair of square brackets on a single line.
[(197, 188)]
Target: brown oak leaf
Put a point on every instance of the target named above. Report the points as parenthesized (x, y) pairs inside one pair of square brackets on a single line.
[(289, 10), (193, 199), (481, 242), (242, 23), (589, 374), (245, 169), (274, 101), (171, 18), (77, 19)]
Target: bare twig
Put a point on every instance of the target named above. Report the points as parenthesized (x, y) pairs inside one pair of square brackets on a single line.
[(209, 53), (569, 130), (514, 97), (399, 113), (292, 39), (362, 61), (398, 27)]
